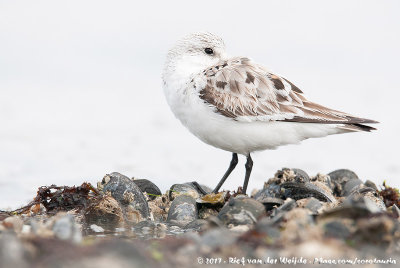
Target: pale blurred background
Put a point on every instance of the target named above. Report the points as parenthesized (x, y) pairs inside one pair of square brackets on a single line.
[(81, 94)]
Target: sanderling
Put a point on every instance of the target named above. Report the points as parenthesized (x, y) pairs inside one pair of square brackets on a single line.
[(239, 106)]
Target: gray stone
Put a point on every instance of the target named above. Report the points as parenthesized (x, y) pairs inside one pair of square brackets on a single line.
[(241, 210), (351, 186), (339, 178), (129, 195), (188, 188), (336, 229), (182, 211), (65, 228), (298, 191), (148, 187), (314, 205)]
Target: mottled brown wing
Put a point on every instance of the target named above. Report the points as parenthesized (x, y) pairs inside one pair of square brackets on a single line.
[(245, 91)]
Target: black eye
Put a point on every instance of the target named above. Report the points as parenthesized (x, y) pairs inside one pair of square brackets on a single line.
[(209, 51)]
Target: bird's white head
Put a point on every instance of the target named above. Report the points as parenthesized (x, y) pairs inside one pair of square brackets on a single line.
[(192, 54)]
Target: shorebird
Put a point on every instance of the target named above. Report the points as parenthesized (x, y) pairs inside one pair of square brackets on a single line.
[(237, 105)]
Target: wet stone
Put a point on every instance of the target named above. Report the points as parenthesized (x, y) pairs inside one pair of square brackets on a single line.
[(395, 211), (212, 199), (97, 229), (271, 202), (188, 188), (270, 190), (301, 175), (106, 213), (382, 231), (314, 205), (241, 211), (11, 251), (277, 214), (14, 223), (218, 237), (351, 186), (268, 227), (148, 187), (298, 191), (182, 211), (149, 229), (129, 195), (368, 193), (197, 225), (371, 184), (288, 205), (336, 229), (206, 212), (65, 228), (339, 178), (354, 207)]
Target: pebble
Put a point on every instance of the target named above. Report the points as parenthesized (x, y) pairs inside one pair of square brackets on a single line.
[(14, 222), (65, 228), (148, 187), (188, 188), (339, 178), (128, 195), (183, 210), (241, 210), (97, 229)]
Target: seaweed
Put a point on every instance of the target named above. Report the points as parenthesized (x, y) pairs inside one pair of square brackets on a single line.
[(390, 195)]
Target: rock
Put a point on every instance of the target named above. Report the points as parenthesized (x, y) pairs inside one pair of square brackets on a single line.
[(298, 191), (241, 210), (106, 213), (287, 175), (395, 211), (218, 237), (301, 175), (351, 186), (11, 251), (188, 188), (97, 229), (270, 190), (278, 213), (159, 208), (65, 228), (339, 178), (271, 202), (128, 195), (356, 206), (206, 212), (336, 229), (148, 187), (197, 225), (368, 193), (149, 229), (182, 211), (268, 227), (371, 184), (14, 222), (212, 199), (314, 205), (382, 231)]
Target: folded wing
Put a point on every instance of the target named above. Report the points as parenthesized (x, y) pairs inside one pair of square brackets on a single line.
[(245, 91)]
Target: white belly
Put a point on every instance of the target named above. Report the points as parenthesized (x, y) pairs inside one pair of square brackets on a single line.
[(235, 136)]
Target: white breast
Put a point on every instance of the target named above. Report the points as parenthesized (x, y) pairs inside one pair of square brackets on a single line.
[(228, 134)]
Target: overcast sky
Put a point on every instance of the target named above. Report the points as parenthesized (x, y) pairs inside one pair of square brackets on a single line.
[(81, 95)]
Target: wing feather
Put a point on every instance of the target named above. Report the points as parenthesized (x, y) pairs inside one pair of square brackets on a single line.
[(245, 91)]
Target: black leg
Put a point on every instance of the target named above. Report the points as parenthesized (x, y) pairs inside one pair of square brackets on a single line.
[(232, 166), (249, 166)]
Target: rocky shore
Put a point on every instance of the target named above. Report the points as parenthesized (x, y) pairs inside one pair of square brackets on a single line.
[(294, 219)]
